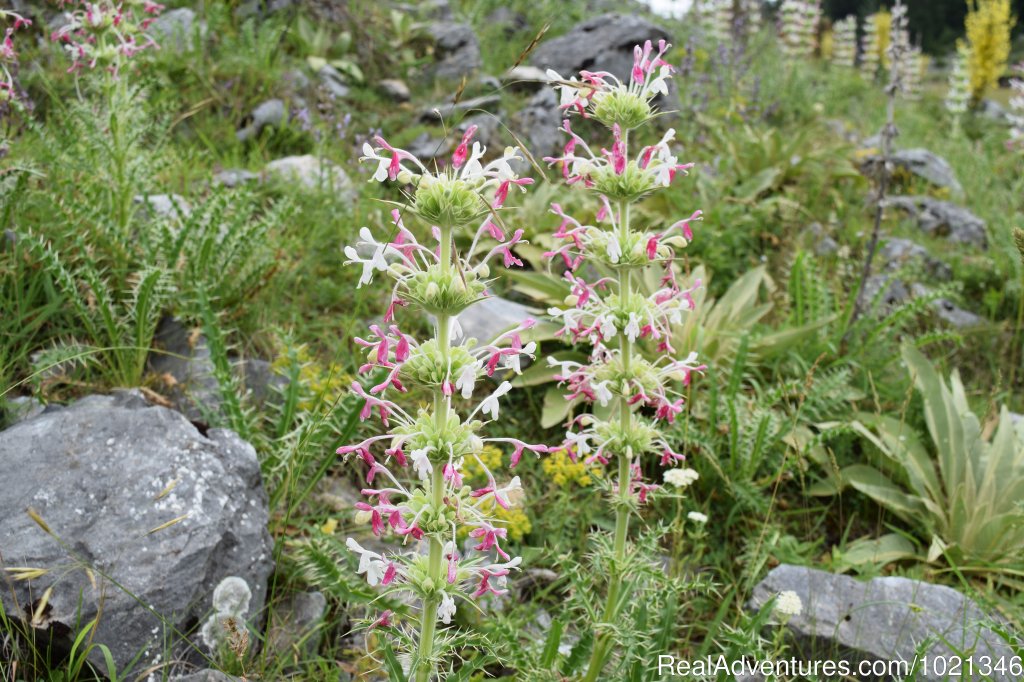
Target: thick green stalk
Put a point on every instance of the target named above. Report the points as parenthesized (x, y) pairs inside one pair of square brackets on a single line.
[(603, 643), (435, 567), (435, 564)]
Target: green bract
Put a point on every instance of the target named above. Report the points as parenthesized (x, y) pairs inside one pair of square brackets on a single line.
[(632, 302), (418, 575), (427, 365), (631, 186), (637, 437), (631, 248), (443, 292), (431, 519), (453, 440), (640, 373), (627, 109), (447, 202)]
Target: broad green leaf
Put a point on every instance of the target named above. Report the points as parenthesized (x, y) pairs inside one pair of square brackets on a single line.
[(556, 407), (882, 490), (880, 551)]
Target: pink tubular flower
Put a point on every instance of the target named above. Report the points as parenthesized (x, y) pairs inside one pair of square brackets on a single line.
[(462, 151), (486, 575), (618, 151), (397, 156), (489, 539), (383, 622)]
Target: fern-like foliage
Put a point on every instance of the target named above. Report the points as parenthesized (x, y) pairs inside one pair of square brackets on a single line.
[(220, 248)]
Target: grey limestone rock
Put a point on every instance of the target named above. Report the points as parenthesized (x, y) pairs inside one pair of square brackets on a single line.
[(884, 619), (159, 511)]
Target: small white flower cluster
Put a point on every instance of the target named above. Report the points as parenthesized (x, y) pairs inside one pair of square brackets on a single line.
[(681, 478), (958, 97), (798, 27), (697, 517), (844, 42), (788, 604)]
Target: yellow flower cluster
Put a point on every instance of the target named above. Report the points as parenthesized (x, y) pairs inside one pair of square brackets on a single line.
[(331, 382), (565, 472), (988, 25)]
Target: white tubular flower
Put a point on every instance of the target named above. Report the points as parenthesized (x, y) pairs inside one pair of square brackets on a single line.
[(421, 463), (602, 393), (376, 261), (490, 403), (608, 330), (580, 441), (446, 609), (370, 563), (697, 517), (632, 329), (467, 379)]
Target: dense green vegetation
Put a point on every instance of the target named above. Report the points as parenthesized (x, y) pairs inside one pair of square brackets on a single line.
[(797, 429)]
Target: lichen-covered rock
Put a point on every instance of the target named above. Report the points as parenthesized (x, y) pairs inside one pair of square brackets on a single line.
[(395, 89), (332, 81), (525, 77), (537, 125), (884, 619), (158, 512), (206, 676), (173, 29), (897, 252), (443, 112), (896, 291)]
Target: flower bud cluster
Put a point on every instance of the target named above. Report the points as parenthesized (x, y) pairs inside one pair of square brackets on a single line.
[(415, 485), (105, 34), (612, 313)]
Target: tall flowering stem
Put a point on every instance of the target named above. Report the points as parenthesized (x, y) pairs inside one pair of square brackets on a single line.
[(898, 50), (104, 36), (844, 50), (798, 27), (415, 490), (614, 314), (958, 96)]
